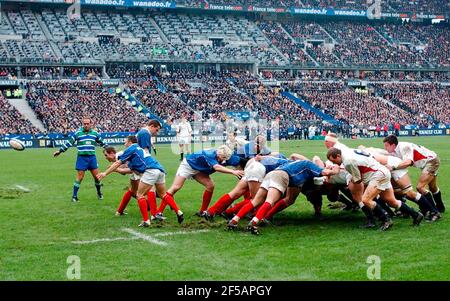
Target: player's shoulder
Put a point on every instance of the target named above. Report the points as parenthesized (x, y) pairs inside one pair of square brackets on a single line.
[(94, 132), (142, 131)]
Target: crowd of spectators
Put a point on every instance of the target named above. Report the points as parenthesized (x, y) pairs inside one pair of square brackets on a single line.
[(429, 101), (61, 106), (8, 72), (180, 36), (350, 75), (423, 6), (291, 49), (12, 122), (360, 44), (357, 108)]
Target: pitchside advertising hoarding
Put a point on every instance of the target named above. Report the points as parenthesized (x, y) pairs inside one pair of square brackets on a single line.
[(119, 138)]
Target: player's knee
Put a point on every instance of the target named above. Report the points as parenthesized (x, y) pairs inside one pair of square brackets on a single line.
[(433, 187), (210, 187), (175, 188), (421, 188)]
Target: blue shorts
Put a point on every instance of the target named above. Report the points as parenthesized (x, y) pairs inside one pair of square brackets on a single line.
[(86, 163)]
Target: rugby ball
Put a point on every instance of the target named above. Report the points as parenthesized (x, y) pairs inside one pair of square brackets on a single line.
[(16, 144)]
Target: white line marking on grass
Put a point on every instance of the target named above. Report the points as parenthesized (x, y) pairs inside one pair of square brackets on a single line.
[(24, 189), (138, 235), (82, 242), (144, 237), (180, 233)]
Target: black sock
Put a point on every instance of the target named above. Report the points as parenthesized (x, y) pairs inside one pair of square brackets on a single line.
[(429, 197), (181, 156), (345, 201), (385, 207), (438, 199), (98, 186), (348, 194), (408, 210), (369, 214), (380, 213), (425, 205)]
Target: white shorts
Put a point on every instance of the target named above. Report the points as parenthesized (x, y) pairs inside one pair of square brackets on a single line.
[(381, 180), (277, 179), (184, 140), (185, 170), (135, 177), (153, 176), (398, 173), (254, 171), (432, 167)]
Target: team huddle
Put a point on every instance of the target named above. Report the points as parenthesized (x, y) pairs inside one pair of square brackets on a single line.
[(371, 179)]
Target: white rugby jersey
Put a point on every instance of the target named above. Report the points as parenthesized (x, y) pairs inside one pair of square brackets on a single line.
[(417, 153), (383, 157), (377, 151), (184, 129), (341, 146), (362, 165)]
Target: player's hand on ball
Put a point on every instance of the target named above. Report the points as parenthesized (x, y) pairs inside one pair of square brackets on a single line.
[(258, 158)]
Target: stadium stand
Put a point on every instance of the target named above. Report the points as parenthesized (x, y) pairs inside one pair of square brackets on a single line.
[(61, 105), (12, 121), (404, 64)]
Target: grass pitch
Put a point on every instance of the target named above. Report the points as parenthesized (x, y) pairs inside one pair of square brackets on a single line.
[(40, 227)]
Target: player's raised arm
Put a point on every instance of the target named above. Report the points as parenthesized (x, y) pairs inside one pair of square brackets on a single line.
[(66, 145)]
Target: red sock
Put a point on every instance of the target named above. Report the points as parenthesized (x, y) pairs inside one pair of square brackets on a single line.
[(207, 196), (279, 206), (247, 195), (245, 209), (221, 204), (261, 213), (168, 199), (142, 202), (151, 199), (235, 209), (162, 206), (125, 200)]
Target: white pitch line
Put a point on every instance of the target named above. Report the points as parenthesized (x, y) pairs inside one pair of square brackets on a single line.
[(24, 189), (144, 237), (138, 235), (180, 233), (82, 242)]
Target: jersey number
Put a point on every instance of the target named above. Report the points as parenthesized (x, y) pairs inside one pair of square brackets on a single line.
[(361, 152)]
